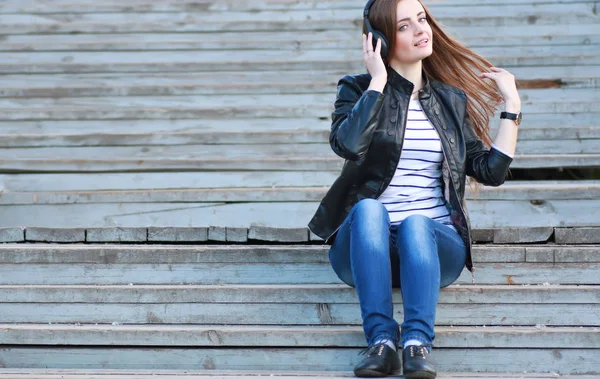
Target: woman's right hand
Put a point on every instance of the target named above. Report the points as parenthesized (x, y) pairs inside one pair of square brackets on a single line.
[(372, 58)]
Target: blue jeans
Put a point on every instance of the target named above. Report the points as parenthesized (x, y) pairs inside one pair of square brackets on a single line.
[(419, 255)]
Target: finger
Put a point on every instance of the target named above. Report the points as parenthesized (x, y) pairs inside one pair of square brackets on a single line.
[(370, 42), (364, 43), (378, 47), (496, 69)]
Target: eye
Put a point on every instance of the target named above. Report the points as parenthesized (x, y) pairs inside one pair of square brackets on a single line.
[(423, 18), (403, 27)]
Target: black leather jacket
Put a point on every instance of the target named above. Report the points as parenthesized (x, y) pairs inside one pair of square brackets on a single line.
[(368, 130)]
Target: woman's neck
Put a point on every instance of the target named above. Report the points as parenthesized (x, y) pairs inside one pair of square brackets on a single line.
[(413, 73)]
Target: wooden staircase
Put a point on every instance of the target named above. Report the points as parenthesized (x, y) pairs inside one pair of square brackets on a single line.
[(159, 162), (256, 306)]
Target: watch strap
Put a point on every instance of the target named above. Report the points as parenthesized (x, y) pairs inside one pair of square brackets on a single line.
[(508, 115)]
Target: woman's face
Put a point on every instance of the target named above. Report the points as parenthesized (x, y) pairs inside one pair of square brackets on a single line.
[(411, 28)]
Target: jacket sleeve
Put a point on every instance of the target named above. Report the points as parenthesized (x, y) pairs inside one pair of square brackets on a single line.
[(354, 119), (488, 167)]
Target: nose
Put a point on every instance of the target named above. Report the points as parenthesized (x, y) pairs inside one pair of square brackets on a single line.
[(419, 29)]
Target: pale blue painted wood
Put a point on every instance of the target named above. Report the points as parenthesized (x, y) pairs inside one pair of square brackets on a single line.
[(225, 273), (292, 314), (281, 293), (562, 361), (287, 336), (484, 214), (342, 59)]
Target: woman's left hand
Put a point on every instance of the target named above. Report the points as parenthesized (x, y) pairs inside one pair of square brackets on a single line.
[(506, 84)]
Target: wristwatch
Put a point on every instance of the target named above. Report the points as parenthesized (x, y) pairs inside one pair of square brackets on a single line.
[(516, 117)]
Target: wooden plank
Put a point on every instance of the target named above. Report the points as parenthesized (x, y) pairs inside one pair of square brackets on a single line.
[(484, 214), (509, 191), (134, 6), (252, 164), (232, 374), (571, 361), (288, 336), (523, 14), (244, 181), (185, 128), (341, 59), (571, 34), (546, 97), (165, 180), (288, 294), (239, 106), (311, 131), (285, 273), (314, 133), (292, 314), (145, 254), (244, 151), (300, 81)]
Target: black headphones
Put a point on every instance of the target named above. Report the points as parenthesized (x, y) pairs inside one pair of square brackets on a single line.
[(376, 34)]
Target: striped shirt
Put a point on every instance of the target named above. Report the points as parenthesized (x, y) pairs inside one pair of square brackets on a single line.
[(416, 185)]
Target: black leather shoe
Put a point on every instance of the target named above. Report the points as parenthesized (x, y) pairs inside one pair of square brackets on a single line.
[(381, 360), (415, 363)]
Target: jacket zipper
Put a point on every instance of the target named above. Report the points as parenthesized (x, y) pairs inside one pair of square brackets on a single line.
[(452, 179)]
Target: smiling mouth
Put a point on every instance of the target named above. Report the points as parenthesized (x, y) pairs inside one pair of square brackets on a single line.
[(425, 41)]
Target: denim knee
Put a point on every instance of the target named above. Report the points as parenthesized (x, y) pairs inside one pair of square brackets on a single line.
[(371, 209), (414, 234)]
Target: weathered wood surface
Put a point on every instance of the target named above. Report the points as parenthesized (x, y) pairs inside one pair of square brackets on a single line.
[(232, 374), (135, 6), (40, 253), (263, 273), (207, 190), (332, 163), (236, 20), (312, 132), (576, 100), (286, 336), (286, 294), (484, 214), (132, 84), (235, 152), (563, 361), (341, 59), (510, 36)]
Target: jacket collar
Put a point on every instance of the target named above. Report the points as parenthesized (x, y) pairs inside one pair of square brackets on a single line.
[(404, 86)]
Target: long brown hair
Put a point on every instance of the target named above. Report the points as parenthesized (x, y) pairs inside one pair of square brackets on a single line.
[(451, 63)]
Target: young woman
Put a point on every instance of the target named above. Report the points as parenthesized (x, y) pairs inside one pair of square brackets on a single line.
[(410, 130)]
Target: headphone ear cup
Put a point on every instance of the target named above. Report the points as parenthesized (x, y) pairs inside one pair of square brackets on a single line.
[(384, 43)]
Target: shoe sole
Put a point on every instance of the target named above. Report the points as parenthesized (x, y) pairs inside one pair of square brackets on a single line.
[(420, 375), (370, 374)]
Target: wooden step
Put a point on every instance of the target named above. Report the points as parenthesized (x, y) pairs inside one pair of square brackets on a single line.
[(483, 214), (286, 294), (560, 361), (299, 81), (314, 132), (243, 152), (257, 60), (237, 187), (473, 36), (238, 20), (150, 254), (231, 273), (287, 336), (135, 6), (231, 374), (554, 101)]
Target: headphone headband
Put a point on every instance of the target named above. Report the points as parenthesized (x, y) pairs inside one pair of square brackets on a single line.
[(377, 35), (367, 8)]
